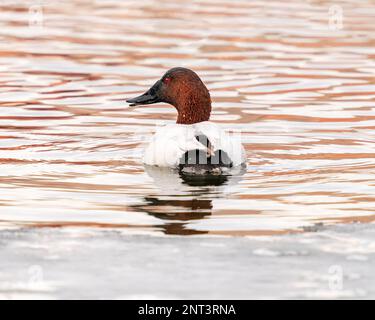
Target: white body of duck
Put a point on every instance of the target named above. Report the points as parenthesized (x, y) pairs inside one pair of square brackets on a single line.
[(172, 141)]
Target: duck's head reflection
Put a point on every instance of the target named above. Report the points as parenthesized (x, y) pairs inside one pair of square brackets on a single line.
[(183, 198)]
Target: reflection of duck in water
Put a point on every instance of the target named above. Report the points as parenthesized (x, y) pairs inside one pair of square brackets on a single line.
[(184, 198), (176, 213), (194, 144)]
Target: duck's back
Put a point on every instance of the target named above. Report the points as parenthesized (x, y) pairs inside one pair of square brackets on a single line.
[(203, 143)]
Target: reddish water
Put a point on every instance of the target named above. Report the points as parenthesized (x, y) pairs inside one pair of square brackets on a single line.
[(299, 88)]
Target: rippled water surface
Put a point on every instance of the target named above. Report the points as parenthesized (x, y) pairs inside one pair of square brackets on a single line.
[(300, 89)]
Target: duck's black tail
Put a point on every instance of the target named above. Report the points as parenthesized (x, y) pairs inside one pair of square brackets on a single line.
[(205, 162)]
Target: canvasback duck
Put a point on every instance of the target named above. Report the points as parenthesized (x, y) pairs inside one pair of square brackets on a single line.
[(193, 144)]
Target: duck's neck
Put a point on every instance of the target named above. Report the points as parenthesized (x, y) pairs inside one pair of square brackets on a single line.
[(194, 110)]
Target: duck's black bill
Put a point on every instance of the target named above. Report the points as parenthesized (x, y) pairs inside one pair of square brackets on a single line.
[(149, 97)]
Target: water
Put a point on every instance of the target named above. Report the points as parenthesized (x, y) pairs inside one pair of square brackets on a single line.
[(298, 85)]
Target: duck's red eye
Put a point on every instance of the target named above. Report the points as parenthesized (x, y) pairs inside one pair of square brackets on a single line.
[(166, 80)]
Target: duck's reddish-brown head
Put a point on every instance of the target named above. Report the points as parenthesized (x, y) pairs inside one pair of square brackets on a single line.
[(183, 89)]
